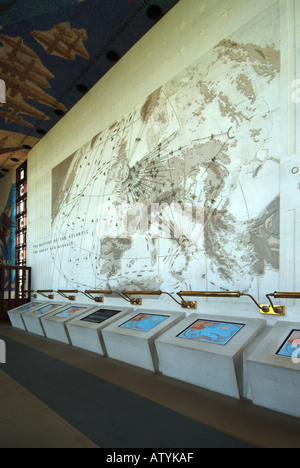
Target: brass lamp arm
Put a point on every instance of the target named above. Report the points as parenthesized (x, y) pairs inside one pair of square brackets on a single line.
[(123, 296), (281, 295), (63, 292), (180, 303), (229, 294), (263, 308), (42, 293), (152, 293)]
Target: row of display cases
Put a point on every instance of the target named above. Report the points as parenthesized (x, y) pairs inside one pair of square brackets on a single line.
[(236, 356)]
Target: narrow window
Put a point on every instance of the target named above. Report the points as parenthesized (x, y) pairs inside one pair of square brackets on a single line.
[(21, 226)]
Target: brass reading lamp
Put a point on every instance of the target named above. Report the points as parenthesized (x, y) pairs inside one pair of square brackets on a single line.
[(207, 294), (184, 304), (280, 310), (44, 293), (138, 301), (125, 295), (89, 293), (64, 292), (264, 309)]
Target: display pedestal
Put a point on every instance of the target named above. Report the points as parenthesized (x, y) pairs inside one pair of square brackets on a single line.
[(274, 369), (16, 315), (207, 351), (131, 339), (85, 331), (55, 324), (33, 319)]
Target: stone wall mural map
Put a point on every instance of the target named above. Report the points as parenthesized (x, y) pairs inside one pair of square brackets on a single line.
[(203, 146)]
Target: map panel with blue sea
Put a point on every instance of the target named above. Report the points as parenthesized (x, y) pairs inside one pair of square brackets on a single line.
[(144, 322), (211, 332), (48, 308), (66, 313), (290, 345)]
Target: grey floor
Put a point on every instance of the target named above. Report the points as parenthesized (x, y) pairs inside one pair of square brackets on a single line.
[(31, 421)]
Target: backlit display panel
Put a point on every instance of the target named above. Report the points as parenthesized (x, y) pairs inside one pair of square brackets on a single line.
[(144, 322), (290, 345), (211, 332)]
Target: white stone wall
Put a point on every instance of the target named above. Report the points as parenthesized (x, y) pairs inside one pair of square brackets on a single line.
[(242, 60)]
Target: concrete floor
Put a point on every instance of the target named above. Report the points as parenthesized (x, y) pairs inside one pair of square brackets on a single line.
[(27, 422)]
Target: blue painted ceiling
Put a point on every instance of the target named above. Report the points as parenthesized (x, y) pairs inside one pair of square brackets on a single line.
[(54, 51)]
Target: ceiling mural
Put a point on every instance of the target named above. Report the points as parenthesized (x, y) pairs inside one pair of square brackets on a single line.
[(45, 42)]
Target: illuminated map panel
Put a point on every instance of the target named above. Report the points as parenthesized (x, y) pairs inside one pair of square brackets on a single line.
[(32, 318), (211, 332), (48, 308), (55, 324), (28, 307), (144, 322), (274, 369), (16, 315), (69, 312), (207, 350), (290, 345), (131, 339)]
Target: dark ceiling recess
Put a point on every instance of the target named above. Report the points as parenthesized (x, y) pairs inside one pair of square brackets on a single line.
[(53, 52), (82, 88), (112, 56), (154, 12), (59, 112)]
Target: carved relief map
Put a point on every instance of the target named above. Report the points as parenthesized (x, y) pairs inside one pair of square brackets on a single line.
[(206, 142)]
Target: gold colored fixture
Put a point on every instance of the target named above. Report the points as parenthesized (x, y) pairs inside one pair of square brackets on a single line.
[(263, 308), (149, 293), (133, 301), (89, 293), (210, 293), (64, 292), (280, 310), (183, 304), (207, 294), (43, 293), (138, 301), (285, 295)]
